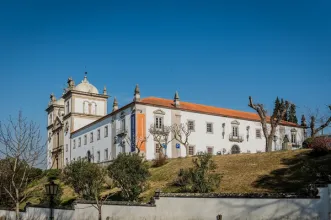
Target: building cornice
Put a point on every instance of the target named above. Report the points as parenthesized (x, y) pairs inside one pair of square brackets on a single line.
[(69, 93), (52, 106)]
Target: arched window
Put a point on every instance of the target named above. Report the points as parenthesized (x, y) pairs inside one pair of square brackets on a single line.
[(93, 108), (89, 157), (235, 149), (85, 107)]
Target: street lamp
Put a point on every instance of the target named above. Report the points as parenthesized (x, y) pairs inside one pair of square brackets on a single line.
[(51, 191)]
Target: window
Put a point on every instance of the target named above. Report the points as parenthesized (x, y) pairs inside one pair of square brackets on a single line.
[(190, 150), (258, 133), (98, 134), (294, 138), (91, 137), (157, 148), (66, 147), (209, 127), (85, 139), (106, 131), (67, 105), (122, 125), (98, 156), (123, 147), (79, 142), (86, 107), (158, 122), (106, 154), (74, 144), (210, 150), (191, 125), (67, 162), (235, 131)]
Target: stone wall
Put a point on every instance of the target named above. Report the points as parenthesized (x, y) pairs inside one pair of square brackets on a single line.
[(200, 207)]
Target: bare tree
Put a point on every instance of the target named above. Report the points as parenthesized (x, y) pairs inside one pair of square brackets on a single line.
[(274, 120), (181, 133), (161, 136), (23, 147), (136, 141), (318, 123)]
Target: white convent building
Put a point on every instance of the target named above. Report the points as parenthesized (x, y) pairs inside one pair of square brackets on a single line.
[(79, 126)]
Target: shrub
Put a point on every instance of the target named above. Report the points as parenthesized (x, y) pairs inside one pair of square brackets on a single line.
[(129, 173), (320, 145), (52, 174), (160, 161), (307, 142), (201, 178)]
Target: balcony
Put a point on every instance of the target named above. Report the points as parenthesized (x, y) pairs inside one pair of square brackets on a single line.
[(121, 132), (236, 138)]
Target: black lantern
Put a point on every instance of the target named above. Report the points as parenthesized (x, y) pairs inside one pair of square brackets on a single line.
[(51, 191), (157, 194)]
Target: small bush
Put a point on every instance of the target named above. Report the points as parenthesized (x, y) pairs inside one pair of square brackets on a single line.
[(53, 174), (307, 142), (320, 146), (160, 161), (201, 178)]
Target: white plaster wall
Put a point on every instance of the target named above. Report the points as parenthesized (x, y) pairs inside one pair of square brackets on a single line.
[(34, 213), (201, 139), (96, 145), (172, 208), (81, 122), (100, 105), (150, 144)]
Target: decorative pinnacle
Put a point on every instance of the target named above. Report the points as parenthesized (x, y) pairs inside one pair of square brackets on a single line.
[(115, 103), (176, 96), (137, 90)]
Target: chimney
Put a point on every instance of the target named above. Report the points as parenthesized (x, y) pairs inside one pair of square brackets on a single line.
[(136, 97), (176, 100), (115, 105)]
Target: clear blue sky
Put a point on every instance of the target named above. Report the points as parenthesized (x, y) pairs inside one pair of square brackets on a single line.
[(212, 52)]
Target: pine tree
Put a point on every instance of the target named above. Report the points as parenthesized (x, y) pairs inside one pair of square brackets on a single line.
[(285, 118), (277, 105), (292, 117)]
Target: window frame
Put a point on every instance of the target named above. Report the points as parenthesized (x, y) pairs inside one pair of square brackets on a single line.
[(212, 150), (158, 121), (98, 156), (235, 129), (256, 132), (106, 131), (74, 143), (211, 126), (98, 134), (106, 154), (188, 125), (91, 137), (193, 150), (79, 142), (85, 139)]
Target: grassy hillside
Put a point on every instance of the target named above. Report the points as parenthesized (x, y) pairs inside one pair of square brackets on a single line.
[(283, 171)]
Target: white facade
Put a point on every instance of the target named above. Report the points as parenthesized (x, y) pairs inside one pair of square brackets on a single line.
[(214, 130)]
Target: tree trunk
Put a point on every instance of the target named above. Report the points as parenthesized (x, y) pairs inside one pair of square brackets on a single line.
[(99, 210), (17, 211), (268, 147)]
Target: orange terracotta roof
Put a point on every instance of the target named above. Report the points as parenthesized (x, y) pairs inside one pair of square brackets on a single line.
[(187, 106)]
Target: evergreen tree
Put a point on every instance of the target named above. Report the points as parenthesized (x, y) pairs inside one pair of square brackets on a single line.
[(277, 105), (285, 118), (292, 117)]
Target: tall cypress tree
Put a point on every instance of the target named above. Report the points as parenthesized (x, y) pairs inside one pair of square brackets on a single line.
[(285, 118), (292, 117), (277, 105)]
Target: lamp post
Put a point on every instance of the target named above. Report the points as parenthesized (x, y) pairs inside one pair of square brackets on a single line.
[(51, 191)]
